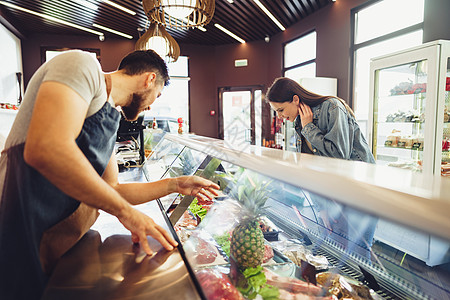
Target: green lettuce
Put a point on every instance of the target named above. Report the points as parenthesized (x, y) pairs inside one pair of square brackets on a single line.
[(256, 284)]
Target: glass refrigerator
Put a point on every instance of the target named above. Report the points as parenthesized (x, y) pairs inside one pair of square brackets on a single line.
[(409, 108)]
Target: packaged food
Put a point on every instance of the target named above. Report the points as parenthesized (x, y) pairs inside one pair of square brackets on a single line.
[(292, 285), (393, 139), (298, 253), (269, 230), (217, 286), (342, 287)]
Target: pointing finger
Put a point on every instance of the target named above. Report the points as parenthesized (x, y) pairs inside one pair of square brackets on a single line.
[(145, 245)]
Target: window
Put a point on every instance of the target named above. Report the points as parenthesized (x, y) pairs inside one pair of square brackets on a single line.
[(174, 99), (300, 57), (401, 28), (48, 53), (11, 67)]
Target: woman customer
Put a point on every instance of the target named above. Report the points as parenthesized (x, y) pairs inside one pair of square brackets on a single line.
[(324, 125)]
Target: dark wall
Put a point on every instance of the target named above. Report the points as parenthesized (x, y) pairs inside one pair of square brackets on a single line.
[(111, 50), (212, 68), (436, 20), (202, 89)]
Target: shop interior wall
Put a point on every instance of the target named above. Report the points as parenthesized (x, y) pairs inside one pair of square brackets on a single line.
[(332, 25), (265, 60), (213, 67)]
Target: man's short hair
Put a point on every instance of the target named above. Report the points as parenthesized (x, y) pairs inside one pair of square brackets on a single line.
[(141, 61)]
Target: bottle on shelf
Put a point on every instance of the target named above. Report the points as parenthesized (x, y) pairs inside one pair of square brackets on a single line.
[(154, 124), (180, 125)]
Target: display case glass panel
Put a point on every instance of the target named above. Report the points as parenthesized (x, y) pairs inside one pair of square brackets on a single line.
[(399, 115), (306, 236), (409, 108), (445, 158), (170, 160)]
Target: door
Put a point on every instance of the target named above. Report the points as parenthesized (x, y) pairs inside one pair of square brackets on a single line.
[(403, 109), (240, 118)]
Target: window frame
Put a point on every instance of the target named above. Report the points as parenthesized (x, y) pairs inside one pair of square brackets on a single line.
[(355, 47), (44, 50), (304, 63)]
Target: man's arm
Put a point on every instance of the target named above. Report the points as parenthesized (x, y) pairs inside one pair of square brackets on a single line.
[(50, 148), (138, 193)]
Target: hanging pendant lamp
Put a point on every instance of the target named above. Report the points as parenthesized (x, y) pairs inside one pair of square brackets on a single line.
[(179, 13), (157, 39)]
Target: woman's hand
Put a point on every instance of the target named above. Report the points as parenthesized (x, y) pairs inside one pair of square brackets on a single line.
[(306, 114), (196, 186)]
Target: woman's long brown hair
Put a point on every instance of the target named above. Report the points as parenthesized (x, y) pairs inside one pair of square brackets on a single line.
[(283, 89)]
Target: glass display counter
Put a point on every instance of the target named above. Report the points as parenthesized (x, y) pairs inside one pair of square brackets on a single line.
[(358, 231), (327, 229)]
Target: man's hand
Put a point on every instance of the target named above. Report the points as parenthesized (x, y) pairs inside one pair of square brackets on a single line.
[(141, 226), (306, 114), (196, 186)]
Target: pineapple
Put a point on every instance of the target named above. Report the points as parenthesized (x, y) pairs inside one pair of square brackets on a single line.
[(247, 239)]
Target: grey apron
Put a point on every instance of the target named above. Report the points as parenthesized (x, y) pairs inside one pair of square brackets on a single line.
[(31, 205)]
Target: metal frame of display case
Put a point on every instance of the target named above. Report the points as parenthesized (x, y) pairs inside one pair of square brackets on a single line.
[(413, 200)]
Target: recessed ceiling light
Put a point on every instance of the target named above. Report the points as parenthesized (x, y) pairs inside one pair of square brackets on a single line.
[(113, 31), (50, 18), (269, 14), (230, 1), (229, 33), (120, 7), (186, 21), (86, 4)]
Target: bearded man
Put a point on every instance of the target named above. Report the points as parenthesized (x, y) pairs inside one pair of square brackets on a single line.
[(58, 167)]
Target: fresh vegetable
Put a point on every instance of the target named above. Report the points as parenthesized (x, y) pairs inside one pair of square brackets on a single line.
[(256, 284), (197, 209), (224, 241)]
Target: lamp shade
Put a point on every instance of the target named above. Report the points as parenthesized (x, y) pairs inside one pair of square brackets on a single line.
[(157, 39), (179, 13), (178, 9)]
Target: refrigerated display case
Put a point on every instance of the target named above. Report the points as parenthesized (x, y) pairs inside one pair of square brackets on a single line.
[(409, 101), (339, 224)]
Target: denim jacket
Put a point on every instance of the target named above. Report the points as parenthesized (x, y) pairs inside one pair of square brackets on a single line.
[(333, 133)]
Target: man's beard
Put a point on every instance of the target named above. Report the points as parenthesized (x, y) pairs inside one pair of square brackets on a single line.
[(132, 110)]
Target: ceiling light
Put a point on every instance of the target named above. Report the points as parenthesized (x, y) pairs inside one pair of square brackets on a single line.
[(113, 31), (179, 13), (86, 4), (178, 8), (119, 7), (230, 1), (159, 40), (269, 14), (50, 18), (229, 33)]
